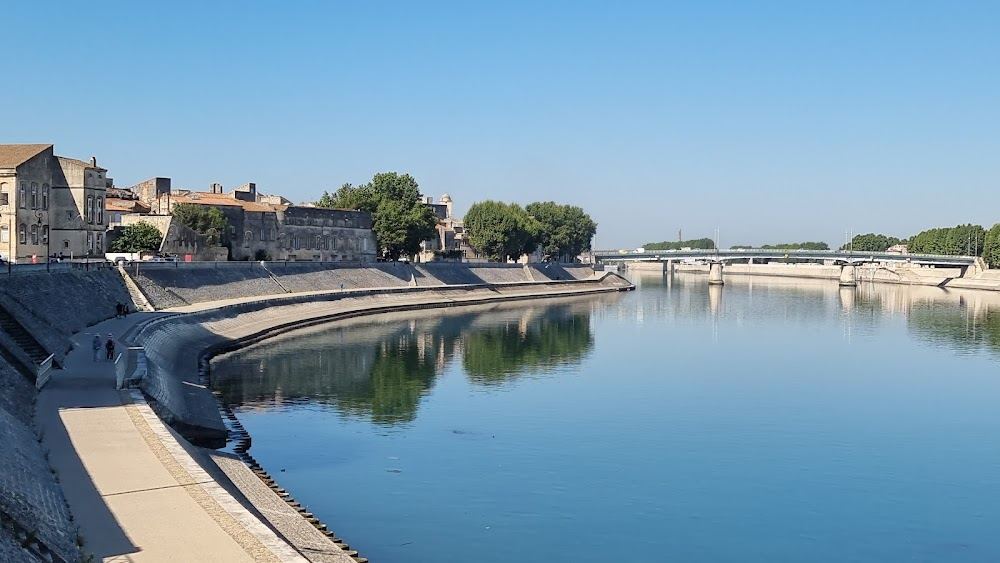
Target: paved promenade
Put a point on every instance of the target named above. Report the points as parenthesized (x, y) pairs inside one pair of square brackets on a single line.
[(133, 491)]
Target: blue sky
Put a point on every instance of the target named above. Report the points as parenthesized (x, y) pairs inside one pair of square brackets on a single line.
[(771, 121)]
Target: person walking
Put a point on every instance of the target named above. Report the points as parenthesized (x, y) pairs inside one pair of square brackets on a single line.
[(96, 345), (110, 347)]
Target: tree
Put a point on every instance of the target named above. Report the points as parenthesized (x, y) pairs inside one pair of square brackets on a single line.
[(566, 231), (399, 220), (204, 220), (871, 242), (501, 230), (991, 246), (698, 244), (137, 238), (961, 239)]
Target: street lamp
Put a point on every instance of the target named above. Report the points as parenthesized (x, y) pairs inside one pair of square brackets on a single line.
[(45, 236)]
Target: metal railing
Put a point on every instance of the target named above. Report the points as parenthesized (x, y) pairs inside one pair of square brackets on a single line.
[(44, 372)]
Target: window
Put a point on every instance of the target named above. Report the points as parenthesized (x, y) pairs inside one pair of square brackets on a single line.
[(89, 211), (319, 243), (263, 234), (22, 234), (247, 237), (100, 211), (45, 196), (20, 194), (34, 195), (295, 241), (90, 242), (5, 234), (3, 199), (45, 234), (34, 233), (66, 244), (100, 241)]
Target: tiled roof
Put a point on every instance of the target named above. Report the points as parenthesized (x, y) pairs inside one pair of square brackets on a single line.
[(130, 205), (12, 156), (208, 198), (82, 163)]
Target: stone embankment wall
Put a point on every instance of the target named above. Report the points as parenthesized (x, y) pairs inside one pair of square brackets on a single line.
[(53, 306), (168, 285), (175, 344), (29, 492)]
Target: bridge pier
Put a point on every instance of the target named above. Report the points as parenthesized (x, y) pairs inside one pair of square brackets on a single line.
[(715, 274), (848, 277)]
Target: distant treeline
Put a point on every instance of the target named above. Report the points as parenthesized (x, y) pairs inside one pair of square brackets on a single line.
[(700, 244), (968, 240), (787, 246)]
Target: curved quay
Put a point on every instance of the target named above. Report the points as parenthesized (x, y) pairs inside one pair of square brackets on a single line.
[(180, 343)]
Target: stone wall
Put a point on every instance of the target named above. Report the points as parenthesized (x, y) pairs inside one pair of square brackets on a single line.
[(53, 306), (29, 492)]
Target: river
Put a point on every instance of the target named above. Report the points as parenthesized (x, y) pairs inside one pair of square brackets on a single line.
[(766, 420)]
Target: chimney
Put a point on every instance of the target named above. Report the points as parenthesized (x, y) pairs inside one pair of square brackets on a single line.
[(93, 161)]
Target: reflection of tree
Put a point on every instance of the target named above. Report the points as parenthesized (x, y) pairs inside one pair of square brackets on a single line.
[(380, 369), (964, 327), (498, 353)]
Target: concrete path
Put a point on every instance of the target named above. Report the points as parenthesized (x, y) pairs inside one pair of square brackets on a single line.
[(132, 489)]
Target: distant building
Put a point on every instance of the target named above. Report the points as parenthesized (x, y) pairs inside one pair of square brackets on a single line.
[(261, 227), (451, 242), (50, 205), (898, 249)]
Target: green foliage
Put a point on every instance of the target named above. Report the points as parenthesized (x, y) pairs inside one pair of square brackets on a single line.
[(137, 238), (959, 240), (497, 353), (566, 231), (698, 244), (991, 246), (797, 246), (501, 230), (871, 242), (399, 220), (204, 220)]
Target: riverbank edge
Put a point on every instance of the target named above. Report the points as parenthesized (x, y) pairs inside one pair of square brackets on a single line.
[(606, 283)]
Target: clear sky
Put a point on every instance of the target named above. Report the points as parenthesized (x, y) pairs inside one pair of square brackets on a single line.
[(774, 121)]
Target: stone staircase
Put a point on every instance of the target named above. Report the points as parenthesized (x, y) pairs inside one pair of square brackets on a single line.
[(22, 337)]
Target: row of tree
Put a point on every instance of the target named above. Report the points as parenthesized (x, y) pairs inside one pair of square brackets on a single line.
[(698, 244), (502, 231), (968, 240)]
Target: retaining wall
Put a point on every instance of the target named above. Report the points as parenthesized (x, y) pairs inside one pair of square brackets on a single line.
[(169, 285), (53, 306), (175, 344), (29, 492)]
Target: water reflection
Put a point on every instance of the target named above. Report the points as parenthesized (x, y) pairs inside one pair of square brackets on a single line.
[(382, 368), (963, 320)]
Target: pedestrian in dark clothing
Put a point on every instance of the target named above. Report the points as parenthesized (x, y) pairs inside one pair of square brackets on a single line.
[(118, 310), (97, 345), (110, 347)]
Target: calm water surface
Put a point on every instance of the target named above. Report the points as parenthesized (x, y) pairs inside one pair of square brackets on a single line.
[(768, 420)]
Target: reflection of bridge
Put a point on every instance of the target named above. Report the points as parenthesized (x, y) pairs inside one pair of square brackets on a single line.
[(838, 256), (848, 260)]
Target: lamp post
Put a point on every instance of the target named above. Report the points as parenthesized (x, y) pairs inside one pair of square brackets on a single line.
[(45, 236)]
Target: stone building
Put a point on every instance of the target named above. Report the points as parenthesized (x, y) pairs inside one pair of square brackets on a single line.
[(262, 229), (50, 205), (451, 242)]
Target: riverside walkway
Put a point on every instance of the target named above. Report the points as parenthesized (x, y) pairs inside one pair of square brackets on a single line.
[(133, 490), (134, 487)]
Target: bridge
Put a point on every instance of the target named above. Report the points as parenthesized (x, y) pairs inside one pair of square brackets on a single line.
[(845, 258), (754, 254)]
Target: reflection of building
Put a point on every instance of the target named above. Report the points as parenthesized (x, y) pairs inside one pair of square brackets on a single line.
[(267, 227), (50, 204)]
